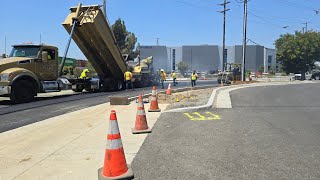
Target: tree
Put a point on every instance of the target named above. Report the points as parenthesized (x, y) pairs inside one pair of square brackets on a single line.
[(298, 52), (261, 69), (183, 67), (125, 39)]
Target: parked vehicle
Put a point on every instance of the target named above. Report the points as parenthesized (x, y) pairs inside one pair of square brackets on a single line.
[(315, 74)]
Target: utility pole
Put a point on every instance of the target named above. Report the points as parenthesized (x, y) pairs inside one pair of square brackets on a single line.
[(306, 27), (5, 45), (40, 38), (157, 41), (191, 60), (224, 32), (243, 68)]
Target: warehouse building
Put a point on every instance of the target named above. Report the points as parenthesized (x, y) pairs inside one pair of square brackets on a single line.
[(209, 57)]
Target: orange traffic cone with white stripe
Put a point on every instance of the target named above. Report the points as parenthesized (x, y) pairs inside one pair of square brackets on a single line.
[(141, 125), (154, 107), (168, 92), (115, 165)]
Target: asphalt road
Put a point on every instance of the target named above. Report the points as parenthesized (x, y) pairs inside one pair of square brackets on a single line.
[(14, 116), (271, 133)]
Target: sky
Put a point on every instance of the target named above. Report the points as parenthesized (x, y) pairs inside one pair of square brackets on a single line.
[(174, 22)]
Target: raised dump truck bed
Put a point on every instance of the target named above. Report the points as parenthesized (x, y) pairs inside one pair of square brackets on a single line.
[(95, 39)]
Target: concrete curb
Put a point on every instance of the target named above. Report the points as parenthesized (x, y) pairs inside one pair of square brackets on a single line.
[(214, 98), (174, 91), (208, 105)]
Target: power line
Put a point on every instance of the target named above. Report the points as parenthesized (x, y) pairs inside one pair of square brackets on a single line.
[(292, 4), (256, 43)]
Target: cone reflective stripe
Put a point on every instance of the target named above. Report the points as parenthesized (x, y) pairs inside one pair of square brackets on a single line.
[(115, 166), (141, 112), (154, 107), (168, 92), (141, 125), (153, 98)]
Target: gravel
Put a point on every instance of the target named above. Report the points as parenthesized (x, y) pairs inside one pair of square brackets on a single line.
[(185, 99)]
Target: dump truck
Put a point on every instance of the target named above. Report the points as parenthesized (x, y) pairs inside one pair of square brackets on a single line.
[(32, 69), (90, 30), (88, 27)]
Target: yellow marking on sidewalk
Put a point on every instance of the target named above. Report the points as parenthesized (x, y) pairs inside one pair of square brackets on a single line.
[(196, 116)]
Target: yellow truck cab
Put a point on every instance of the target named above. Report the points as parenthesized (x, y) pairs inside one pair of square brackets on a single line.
[(28, 70)]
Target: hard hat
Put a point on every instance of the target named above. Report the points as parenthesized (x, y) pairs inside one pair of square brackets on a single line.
[(162, 70), (86, 70)]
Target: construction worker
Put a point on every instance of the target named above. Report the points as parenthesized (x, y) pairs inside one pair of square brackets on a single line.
[(84, 74), (162, 77), (174, 77), (194, 78), (128, 79)]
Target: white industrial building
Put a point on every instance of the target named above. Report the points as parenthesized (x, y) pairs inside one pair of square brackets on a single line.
[(209, 57)]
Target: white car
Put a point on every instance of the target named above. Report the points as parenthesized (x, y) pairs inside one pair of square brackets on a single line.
[(298, 76)]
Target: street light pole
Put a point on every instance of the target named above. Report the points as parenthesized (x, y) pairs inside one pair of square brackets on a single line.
[(243, 69)]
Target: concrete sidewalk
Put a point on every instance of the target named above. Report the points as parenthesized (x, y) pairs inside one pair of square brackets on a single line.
[(70, 146)]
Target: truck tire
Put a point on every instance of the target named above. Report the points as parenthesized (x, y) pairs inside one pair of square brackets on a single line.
[(22, 92), (118, 86), (78, 88), (317, 78)]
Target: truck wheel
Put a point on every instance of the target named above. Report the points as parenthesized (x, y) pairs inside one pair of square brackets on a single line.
[(78, 88), (22, 92), (317, 78), (118, 86)]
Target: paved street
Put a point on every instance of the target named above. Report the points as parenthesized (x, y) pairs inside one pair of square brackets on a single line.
[(15, 116), (271, 133)]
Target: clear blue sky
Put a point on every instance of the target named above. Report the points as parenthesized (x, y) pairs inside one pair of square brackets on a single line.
[(174, 22)]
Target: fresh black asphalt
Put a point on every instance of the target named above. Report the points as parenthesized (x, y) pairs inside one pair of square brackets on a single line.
[(271, 133), (15, 116)]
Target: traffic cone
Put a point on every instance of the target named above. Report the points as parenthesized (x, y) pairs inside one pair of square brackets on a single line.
[(168, 92), (154, 107), (115, 165), (141, 125)]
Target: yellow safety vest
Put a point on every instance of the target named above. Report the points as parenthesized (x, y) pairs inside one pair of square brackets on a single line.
[(174, 75), (163, 76), (194, 77), (83, 74), (128, 76)]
